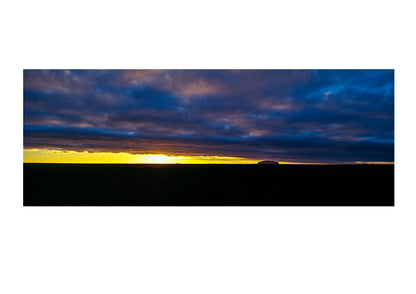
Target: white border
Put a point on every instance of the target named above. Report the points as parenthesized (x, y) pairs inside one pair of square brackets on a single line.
[(207, 250)]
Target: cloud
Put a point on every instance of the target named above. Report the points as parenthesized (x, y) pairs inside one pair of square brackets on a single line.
[(294, 115)]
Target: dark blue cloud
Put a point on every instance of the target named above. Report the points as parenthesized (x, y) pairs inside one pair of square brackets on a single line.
[(290, 115)]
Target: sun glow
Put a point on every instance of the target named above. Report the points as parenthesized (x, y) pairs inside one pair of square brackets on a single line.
[(156, 158), (62, 156)]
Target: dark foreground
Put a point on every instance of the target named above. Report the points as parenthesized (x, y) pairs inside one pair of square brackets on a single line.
[(290, 185)]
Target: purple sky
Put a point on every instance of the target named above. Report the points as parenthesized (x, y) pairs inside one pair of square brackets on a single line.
[(285, 115)]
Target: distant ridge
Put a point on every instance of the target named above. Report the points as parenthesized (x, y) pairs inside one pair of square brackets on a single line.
[(268, 162)]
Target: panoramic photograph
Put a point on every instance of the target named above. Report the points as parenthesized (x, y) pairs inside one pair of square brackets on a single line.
[(208, 137)]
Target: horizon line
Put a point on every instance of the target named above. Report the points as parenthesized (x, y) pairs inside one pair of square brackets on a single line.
[(85, 157), (213, 163)]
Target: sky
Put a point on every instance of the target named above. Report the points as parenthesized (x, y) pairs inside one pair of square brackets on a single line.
[(209, 116)]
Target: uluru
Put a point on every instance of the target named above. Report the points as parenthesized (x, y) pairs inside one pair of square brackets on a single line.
[(268, 162)]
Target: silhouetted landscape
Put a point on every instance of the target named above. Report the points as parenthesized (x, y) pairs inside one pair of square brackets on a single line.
[(209, 137), (208, 185)]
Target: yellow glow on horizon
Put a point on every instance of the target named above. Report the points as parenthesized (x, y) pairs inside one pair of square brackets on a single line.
[(60, 156), (63, 156)]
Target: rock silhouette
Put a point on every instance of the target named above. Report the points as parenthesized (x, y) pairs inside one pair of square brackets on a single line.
[(268, 162)]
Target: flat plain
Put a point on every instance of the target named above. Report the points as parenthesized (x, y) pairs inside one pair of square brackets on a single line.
[(207, 185)]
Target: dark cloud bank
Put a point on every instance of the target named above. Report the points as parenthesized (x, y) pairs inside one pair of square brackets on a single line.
[(284, 115)]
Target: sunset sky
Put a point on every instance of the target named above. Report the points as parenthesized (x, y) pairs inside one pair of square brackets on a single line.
[(209, 116)]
